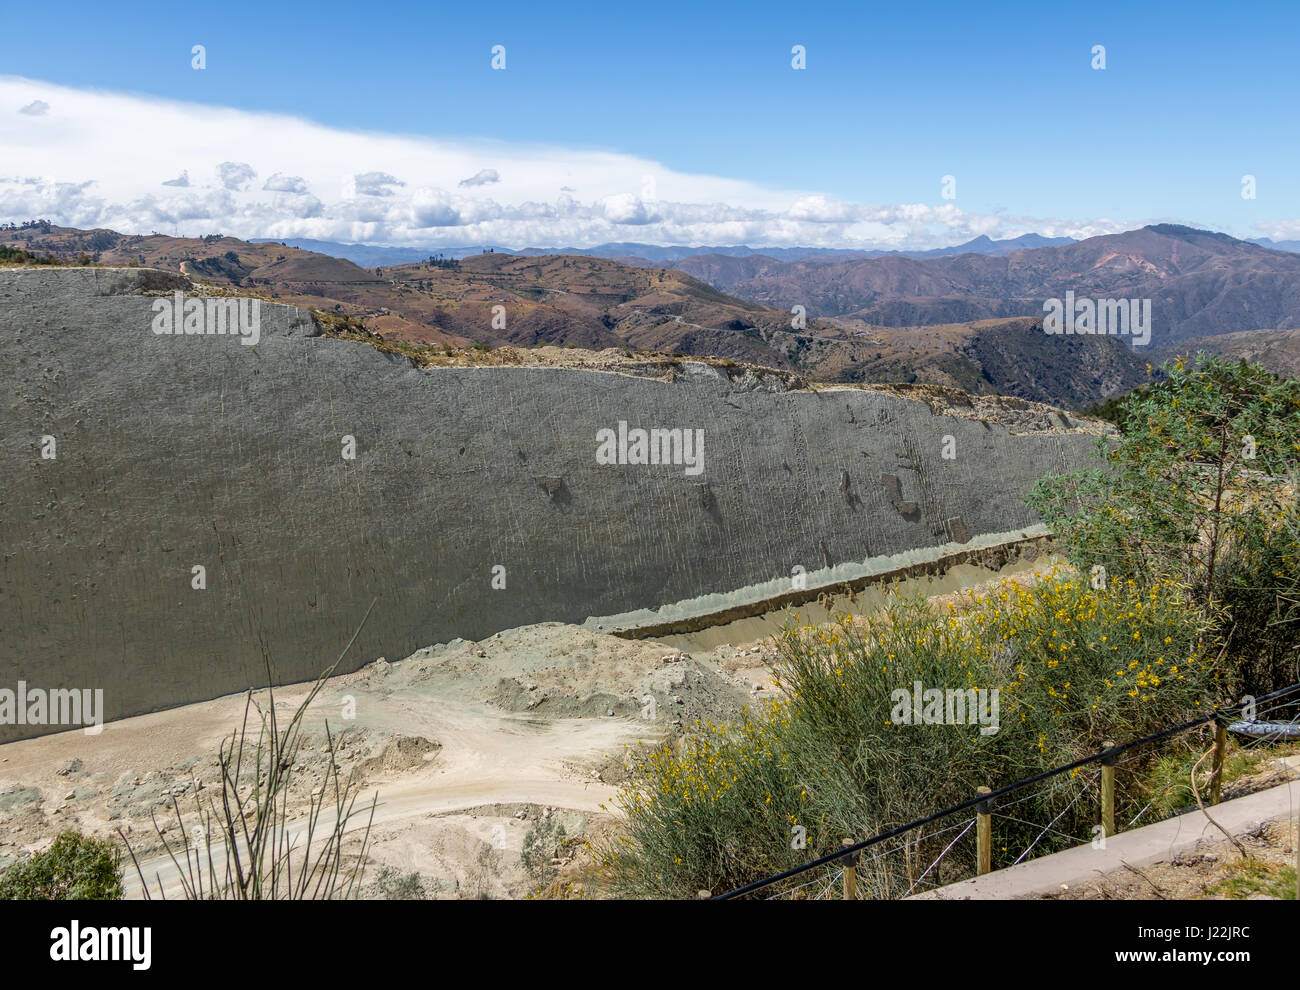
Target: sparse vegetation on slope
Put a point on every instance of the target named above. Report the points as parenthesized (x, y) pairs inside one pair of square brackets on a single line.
[(76, 867), (1075, 666), (17, 256), (1194, 521)]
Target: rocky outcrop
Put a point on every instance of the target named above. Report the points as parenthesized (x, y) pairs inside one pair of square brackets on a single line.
[(309, 477)]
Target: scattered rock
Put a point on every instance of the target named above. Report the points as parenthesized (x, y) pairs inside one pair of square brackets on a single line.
[(16, 796)]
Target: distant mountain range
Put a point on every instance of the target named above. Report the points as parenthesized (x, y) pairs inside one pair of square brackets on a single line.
[(643, 255), (369, 256), (1200, 283), (1275, 245)]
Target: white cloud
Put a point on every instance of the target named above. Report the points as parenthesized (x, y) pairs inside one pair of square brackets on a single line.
[(625, 208), (1280, 230), (37, 108), (235, 175), (482, 177), (819, 209), (300, 206), (286, 184), (397, 189), (375, 184), (432, 208)]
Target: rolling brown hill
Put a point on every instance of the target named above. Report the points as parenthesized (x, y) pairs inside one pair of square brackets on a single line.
[(1200, 283), (1276, 350), (498, 299)]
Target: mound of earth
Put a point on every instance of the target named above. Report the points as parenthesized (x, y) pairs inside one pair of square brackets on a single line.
[(558, 670)]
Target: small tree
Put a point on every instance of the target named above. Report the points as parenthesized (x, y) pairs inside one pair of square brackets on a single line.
[(1200, 468), (1261, 596), (1201, 489), (76, 867)]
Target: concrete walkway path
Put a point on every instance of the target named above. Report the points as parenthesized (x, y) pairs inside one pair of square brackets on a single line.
[(1140, 847)]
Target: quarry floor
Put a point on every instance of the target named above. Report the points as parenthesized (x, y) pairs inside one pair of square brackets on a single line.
[(467, 746)]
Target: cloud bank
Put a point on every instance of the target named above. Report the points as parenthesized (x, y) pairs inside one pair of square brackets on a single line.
[(88, 158)]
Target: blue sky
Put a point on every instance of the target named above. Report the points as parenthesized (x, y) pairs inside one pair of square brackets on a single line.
[(894, 96)]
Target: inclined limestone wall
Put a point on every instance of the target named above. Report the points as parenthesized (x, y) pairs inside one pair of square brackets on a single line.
[(176, 451)]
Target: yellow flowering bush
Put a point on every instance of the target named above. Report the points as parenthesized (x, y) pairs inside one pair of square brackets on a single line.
[(1072, 666)]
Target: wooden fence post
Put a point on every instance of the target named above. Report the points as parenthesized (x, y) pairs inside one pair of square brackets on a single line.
[(1220, 750), (850, 861), (1108, 791), (984, 831)]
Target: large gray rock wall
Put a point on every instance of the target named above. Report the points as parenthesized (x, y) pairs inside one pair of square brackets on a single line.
[(176, 451)]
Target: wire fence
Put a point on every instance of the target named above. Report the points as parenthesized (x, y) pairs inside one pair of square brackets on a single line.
[(926, 854)]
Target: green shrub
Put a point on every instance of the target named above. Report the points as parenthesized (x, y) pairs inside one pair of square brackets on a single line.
[(1200, 488), (76, 867), (17, 256), (543, 842), (1074, 666), (1260, 591), (394, 886), (1198, 470)]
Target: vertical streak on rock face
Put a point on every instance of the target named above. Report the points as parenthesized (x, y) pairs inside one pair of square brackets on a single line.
[(957, 530), (183, 451)]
